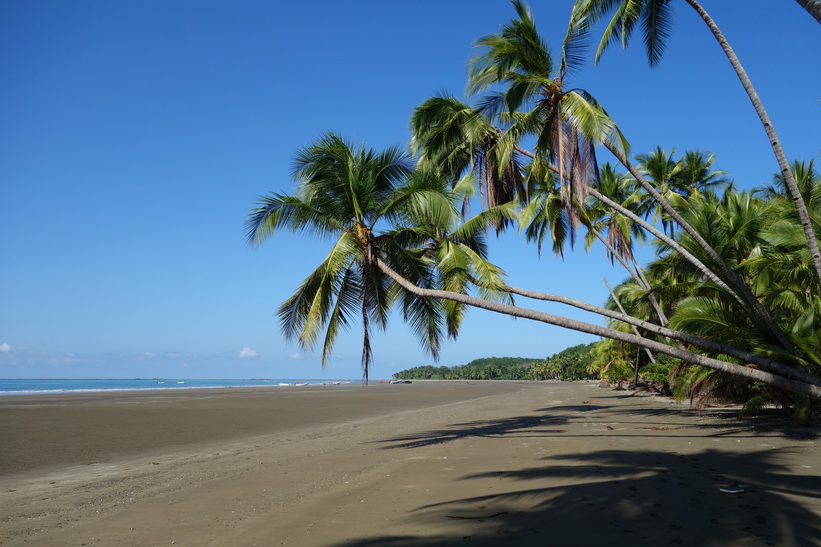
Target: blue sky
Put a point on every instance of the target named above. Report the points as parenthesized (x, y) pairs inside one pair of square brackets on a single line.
[(136, 136)]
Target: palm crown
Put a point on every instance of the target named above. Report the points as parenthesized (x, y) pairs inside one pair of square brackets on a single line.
[(377, 210)]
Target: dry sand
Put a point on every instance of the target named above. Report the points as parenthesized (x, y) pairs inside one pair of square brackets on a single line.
[(430, 463)]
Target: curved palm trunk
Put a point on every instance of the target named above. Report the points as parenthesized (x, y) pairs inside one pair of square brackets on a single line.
[(637, 277), (506, 309), (775, 143), (662, 316), (752, 300), (703, 343), (813, 7), (700, 266), (635, 330), (705, 271)]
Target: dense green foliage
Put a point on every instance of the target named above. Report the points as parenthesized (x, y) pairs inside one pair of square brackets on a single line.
[(572, 363), (486, 368), (757, 232)]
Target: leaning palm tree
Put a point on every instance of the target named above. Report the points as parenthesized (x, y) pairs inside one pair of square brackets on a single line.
[(376, 209), (655, 18), (566, 124), (343, 192), (397, 238)]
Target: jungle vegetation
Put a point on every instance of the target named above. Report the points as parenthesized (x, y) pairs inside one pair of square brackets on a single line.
[(485, 368)]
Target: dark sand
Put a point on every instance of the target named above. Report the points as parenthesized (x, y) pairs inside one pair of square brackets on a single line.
[(430, 463)]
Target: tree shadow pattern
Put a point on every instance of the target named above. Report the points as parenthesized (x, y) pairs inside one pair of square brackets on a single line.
[(627, 496)]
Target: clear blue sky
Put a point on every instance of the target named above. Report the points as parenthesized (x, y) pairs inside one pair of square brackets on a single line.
[(136, 136)]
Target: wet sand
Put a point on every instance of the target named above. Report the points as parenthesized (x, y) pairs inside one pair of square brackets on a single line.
[(429, 463)]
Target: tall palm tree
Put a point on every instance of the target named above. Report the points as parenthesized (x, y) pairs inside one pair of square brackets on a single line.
[(565, 122), (655, 17)]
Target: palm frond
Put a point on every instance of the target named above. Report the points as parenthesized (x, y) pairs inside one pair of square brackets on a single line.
[(279, 211), (656, 25)]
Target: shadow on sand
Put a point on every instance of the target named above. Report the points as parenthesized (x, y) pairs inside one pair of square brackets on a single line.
[(625, 497)]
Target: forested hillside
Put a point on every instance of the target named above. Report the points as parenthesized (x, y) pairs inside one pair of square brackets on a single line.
[(486, 368), (573, 363)]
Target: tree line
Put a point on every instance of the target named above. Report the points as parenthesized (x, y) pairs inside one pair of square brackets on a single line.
[(486, 368), (574, 363)]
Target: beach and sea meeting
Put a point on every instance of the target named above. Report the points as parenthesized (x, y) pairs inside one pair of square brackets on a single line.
[(267, 266), (420, 463), (34, 386)]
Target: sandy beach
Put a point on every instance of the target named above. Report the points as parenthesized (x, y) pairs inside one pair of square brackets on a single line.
[(428, 463)]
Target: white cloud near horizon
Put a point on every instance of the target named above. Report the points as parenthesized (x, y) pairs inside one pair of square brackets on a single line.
[(5, 348), (247, 353), (296, 356)]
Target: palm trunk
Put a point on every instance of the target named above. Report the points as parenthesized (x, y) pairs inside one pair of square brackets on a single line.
[(703, 343), (739, 283), (700, 266), (813, 7), (513, 311), (635, 330), (640, 280), (775, 143)]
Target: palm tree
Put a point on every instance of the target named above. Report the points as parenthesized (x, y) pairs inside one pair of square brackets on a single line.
[(344, 192), (688, 177), (601, 220), (660, 167), (377, 210), (567, 123), (655, 17), (696, 174)]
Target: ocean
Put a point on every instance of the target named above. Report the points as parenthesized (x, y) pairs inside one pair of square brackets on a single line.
[(29, 386)]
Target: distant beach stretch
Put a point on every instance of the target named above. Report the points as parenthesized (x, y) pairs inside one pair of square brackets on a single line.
[(425, 463), (37, 386)]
